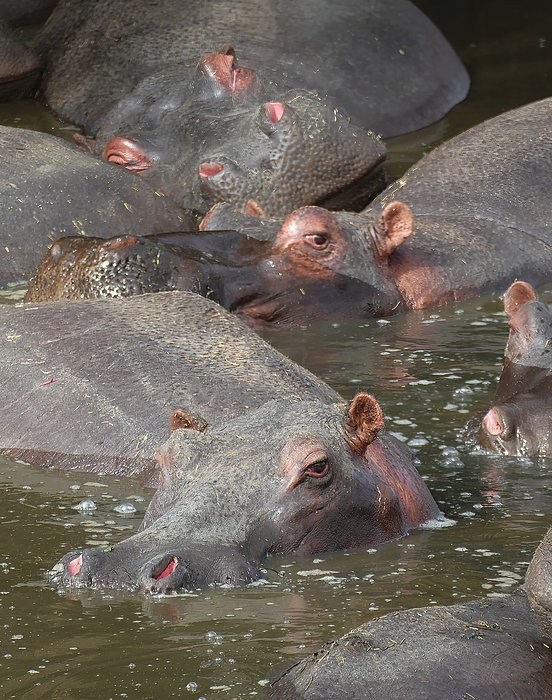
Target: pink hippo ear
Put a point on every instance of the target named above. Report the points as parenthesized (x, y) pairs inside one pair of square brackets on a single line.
[(181, 419), (127, 153), (518, 294), (364, 421), (396, 224)]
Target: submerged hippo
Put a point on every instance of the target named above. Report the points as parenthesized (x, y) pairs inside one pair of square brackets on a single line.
[(490, 649), (49, 188), (95, 385), (519, 421), (219, 132), (382, 61), (443, 232)]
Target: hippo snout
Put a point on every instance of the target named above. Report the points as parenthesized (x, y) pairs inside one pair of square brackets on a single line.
[(95, 568)]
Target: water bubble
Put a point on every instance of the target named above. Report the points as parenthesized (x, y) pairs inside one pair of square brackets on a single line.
[(86, 506), (191, 687), (125, 508)]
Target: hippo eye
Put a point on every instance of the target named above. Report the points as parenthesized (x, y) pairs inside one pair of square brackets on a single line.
[(318, 240), (318, 469)]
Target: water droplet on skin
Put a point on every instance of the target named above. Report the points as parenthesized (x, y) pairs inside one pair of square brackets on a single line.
[(191, 687)]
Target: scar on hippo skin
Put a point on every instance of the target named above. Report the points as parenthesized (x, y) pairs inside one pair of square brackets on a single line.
[(182, 419), (364, 421)]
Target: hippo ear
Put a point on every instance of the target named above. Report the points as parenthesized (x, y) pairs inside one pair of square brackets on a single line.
[(395, 226), (517, 295), (364, 420), (127, 153), (181, 419)]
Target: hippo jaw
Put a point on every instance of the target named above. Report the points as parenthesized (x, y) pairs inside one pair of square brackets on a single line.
[(223, 505)]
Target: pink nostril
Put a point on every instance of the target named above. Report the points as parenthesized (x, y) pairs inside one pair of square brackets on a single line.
[(210, 169), (493, 423), (274, 111), (74, 566), (167, 571)]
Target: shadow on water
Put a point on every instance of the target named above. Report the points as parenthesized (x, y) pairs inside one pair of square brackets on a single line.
[(430, 370)]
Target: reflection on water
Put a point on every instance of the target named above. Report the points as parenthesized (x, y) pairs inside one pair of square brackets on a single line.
[(430, 370)]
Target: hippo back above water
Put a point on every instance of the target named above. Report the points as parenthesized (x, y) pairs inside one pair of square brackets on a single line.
[(382, 61)]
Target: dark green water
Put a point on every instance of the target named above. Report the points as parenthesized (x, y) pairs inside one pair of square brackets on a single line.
[(431, 371)]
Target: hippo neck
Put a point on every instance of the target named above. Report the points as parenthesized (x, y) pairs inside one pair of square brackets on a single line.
[(454, 258)]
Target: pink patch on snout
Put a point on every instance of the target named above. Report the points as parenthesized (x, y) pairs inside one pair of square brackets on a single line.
[(274, 111), (124, 242), (492, 422), (167, 571), (74, 566), (210, 169)]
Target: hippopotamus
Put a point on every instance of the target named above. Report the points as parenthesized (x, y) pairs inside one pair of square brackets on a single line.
[(220, 132), (50, 188), (382, 61), (18, 12), (20, 66), (443, 232), (99, 384), (489, 649), (518, 423)]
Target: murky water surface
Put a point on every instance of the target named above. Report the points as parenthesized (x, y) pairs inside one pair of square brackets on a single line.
[(431, 371)]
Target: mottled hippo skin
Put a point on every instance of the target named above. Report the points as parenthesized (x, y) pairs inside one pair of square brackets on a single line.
[(218, 132), (96, 385), (382, 61), (49, 188), (519, 421), (479, 207), (490, 649)]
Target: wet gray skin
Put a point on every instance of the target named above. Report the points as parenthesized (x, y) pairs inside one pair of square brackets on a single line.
[(222, 132), (381, 61), (518, 423), (317, 482), (18, 12), (20, 66), (490, 649), (50, 188)]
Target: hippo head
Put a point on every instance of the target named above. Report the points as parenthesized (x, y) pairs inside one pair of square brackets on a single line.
[(538, 583), (290, 477), (519, 421), (317, 265), (218, 136)]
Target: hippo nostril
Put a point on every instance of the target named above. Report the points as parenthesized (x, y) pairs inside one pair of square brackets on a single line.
[(74, 566), (164, 568), (274, 111), (210, 169), (493, 422)]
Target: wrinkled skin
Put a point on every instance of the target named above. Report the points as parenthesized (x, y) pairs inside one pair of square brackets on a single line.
[(382, 61), (443, 232), (20, 67), (490, 649), (321, 480), (50, 188), (518, 423), (220, 132)]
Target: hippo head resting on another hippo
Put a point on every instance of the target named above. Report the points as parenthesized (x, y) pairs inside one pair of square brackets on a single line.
[(223, 134), (519, 421), (312, 266), (321, 478)]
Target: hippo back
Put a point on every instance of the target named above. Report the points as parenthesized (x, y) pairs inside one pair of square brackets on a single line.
[(92, 384)]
